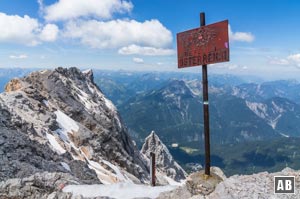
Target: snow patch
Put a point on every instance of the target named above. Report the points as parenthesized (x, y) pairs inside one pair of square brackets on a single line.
[(119, 175), (66, 166), (87, 71), (284, 135), (106, 176), (67, 125), (46, 103), (103, 175), (56, 146), (91, 89), (118, 190), (173, 182), (88, 103), (65, 122), (109, 104)]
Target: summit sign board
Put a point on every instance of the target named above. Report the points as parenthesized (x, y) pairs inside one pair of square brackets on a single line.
[(208, 44), (205, 45)]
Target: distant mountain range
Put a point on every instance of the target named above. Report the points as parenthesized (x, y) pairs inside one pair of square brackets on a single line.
[(123, 85), (171, 104), (288, 89), (244, 113), (175, 112)]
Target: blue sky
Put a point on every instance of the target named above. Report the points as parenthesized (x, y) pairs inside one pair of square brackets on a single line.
[(141, 34)]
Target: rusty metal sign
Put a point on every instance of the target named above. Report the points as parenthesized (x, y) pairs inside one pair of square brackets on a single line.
[(205, 45)]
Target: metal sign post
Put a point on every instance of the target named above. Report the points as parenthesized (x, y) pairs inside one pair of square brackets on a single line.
[(205, 108), (152, 168), (202, 46)]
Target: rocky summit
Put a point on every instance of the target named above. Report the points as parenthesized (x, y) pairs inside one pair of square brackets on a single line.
[(58, 121)]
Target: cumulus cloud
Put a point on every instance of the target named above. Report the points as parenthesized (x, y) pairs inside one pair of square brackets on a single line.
[(22, 56), (130, 37), (49, 33), (138, 60), (18, 29), (240, 36), (119, 33), (149, 51), (71, 9), (25, 30)]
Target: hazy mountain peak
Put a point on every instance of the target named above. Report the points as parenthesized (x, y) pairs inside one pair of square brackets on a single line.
[(176, 88)]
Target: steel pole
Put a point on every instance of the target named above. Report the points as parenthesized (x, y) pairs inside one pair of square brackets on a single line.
[(152, 168), (205, 108)]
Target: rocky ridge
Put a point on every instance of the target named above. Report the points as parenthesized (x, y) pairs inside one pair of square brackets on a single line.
[(61, 119)]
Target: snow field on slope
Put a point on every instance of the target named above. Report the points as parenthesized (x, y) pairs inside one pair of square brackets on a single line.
[(118, 191)]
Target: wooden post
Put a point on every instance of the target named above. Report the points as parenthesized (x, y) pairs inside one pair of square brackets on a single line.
[(205, 108), (152, 168)]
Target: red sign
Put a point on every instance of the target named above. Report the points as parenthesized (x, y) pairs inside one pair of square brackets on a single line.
[(205, 45)]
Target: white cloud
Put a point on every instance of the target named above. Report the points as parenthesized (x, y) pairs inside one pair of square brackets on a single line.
[(71, 9), (240, 36), (292, 60), (18, 29), (138, 60), (150, 51), (119, 33), (41, 6), (278, 61), (49, 33), (22, 56), (25, 30), (229, 66)]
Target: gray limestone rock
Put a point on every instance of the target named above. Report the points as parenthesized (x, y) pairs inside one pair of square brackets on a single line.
[(60, 115), (178, 193), (259, 185), (38, 186), (200, 184)]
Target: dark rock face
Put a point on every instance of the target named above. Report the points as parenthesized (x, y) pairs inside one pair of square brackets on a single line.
[(83, 172), (59, 121), (164, 160), (21, 157)]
